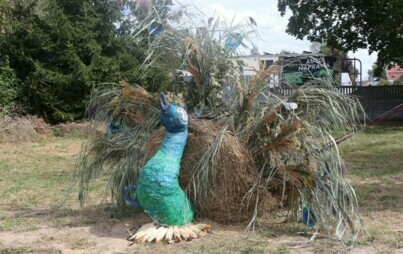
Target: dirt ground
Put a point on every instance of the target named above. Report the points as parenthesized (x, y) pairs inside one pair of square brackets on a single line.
[(89, 231)]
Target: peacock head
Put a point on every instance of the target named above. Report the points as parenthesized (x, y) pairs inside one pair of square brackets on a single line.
[(173, 117)]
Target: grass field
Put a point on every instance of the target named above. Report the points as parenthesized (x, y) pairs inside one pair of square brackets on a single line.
[(35, 176)]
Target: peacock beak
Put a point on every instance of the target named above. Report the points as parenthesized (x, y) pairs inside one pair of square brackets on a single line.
[(164, 105)]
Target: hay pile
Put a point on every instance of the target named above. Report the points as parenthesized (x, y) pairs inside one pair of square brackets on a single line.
[(73, 129), (227, 195), (16, 128)]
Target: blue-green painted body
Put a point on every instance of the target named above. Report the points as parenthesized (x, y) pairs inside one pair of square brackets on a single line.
[(158, 190)]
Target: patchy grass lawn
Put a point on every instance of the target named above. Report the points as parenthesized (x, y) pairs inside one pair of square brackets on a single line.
[(375, 161), (35, 176)]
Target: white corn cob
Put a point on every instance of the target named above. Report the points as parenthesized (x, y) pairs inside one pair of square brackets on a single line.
[(177, 235), (153, 235), (142, 231), (160, 234), (169, 234), (184, 233), (149, 232)]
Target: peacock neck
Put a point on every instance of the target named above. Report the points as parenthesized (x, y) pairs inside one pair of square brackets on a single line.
[(174, 144)]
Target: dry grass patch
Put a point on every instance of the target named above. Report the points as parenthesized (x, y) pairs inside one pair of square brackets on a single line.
[(17, 129), (74, 129)]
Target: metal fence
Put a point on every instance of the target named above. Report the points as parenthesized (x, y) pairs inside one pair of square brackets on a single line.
[(376, 100)]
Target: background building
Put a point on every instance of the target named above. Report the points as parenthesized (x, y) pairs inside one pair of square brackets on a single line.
[(394, 73)]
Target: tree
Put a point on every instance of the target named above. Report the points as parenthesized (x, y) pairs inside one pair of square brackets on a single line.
[(55, 50), (8, 88), (59, 49), (350, 25)]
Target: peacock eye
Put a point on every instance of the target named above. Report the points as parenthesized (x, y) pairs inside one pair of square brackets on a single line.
[(182, 114)]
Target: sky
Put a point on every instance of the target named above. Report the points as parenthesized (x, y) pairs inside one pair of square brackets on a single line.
[(270, 26)]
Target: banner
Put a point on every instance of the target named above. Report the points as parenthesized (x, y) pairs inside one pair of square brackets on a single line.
[(299, 70)]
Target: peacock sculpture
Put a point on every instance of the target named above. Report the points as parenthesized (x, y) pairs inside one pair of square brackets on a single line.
[(158, 190), (251, 152)]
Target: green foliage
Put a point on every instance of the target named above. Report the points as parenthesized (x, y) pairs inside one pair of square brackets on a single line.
[(58, 49), (350, 25), (8, 88)]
